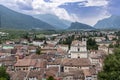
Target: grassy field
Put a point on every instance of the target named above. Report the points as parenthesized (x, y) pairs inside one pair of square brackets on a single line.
[(40, 35)]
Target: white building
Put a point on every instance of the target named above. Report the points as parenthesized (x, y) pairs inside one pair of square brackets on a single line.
[(78, 49), (37, 43)]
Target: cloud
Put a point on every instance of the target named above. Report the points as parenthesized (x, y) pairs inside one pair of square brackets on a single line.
[(93, 19), (53, 8), (8, 3), (96, 3), (24, 4), (86, 11), (114, 7), (43, 7)]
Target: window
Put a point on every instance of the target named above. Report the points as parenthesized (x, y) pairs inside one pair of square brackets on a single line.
[(26, 68), (78, 49), (23, 68)]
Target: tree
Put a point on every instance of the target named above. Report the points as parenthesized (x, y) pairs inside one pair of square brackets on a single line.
[(38, 50), (106, 37), (2, 78), (111, 46), (45, 42), (50, 78), (114, 39), (111, 68), (67, 41), (3, 74), (0, 41), (91, 44)]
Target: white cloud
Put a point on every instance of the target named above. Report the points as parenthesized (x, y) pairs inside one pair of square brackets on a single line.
[(61, 2), (93, 20), (42, 7), (8, 3), (25, 2), (96, 3)]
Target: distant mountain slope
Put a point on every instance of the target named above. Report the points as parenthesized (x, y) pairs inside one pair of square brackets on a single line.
[(53, 20), (77, 25), (12, 19), (112, 22)]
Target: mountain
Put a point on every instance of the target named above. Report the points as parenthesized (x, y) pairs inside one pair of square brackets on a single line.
[(112, 22), (77, 25), (53, 20), (12, 19)]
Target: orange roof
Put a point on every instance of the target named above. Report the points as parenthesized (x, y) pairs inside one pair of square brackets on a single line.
[(59, 50), (40, 63), (25, 62), (75, 42), (86, 72), (78, 62)]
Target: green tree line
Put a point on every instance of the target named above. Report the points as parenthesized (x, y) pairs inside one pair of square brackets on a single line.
[(111, 68)]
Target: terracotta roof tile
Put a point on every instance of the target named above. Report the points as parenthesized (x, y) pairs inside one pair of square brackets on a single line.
[(78, 62)]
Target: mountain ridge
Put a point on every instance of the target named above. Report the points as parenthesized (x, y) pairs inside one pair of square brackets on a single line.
[(113, 22), (53, 20), (12, 19), (78, 25)]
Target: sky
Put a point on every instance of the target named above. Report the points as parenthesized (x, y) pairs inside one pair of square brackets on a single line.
[(84, 11)]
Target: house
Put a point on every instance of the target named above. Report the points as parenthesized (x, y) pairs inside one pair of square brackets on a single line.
[(8, 61), (66, 76), (76, 64), (64, 47), (48, 48), (111, 50), (24, 41), (78, 49), (29, 64), (26, 75), (2, 55), (9, 46), (90, 74), (22, 50), (31, 49), (19, 75), (104, 48), (34, 75), (107, 43), (94, 58), (9, 42), (51, 71), (37, 43), (73, 75), (52, 42), (61, 53), (97, 57), (111, 37), (99, 39), (55, 63)]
